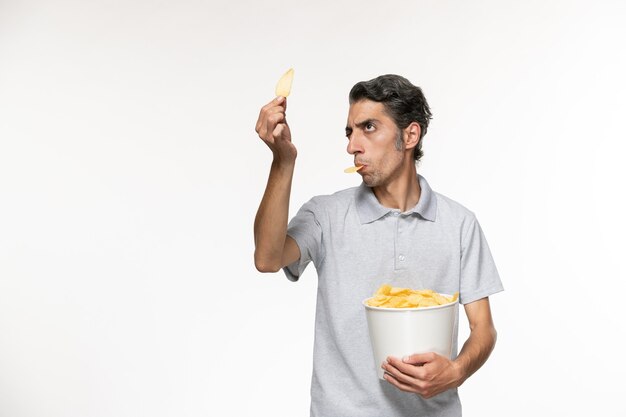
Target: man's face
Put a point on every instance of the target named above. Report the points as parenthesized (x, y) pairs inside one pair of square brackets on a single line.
[(372, 135)]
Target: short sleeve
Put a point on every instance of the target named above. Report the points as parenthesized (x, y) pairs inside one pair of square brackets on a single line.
[(479, 275), (306, 230)]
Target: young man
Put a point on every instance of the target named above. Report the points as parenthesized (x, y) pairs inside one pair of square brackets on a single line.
[(392, 229)]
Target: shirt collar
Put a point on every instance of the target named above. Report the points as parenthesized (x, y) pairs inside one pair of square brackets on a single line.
[(369, 209)]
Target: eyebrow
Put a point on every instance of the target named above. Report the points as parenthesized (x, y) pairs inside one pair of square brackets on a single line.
[(361, 125)]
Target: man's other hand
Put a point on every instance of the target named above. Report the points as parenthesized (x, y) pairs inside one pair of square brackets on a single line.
[(426, 374)]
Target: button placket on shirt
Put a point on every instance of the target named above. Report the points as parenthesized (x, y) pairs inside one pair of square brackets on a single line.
[(400, 253)]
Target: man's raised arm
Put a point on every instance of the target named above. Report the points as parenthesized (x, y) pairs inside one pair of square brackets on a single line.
[(273, 248)]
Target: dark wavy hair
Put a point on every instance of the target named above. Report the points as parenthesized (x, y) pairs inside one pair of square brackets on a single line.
[(404, 102)]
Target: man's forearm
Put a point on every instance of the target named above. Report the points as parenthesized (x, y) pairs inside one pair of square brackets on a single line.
[(270, 224), (476, 350)]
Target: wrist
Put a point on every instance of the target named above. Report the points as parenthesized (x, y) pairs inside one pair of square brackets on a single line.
[(460, 371), (283, 164)]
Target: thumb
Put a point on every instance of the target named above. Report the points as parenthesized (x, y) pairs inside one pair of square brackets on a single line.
[(278, 131), (281, 132), (419, 358)]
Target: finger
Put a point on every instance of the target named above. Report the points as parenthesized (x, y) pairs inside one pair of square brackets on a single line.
[(263, 122), (269, 108), (419, 358), (403, 375), (276, 101), (260, 120), (265, 113), (417, 372), (400, 385), (272, 121)]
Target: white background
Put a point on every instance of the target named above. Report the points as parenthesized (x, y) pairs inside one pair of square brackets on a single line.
[(130, 174)]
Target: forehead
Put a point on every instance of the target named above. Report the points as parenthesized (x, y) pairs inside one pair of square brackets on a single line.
[(365, 110)]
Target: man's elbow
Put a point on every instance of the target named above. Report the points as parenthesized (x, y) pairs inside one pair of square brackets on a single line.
[(491, 338), (265, 265), (261, 267)]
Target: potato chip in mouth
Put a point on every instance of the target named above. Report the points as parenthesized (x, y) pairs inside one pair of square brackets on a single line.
[(352, 170)]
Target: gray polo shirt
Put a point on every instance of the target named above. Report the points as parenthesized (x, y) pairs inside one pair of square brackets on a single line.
[(357, 245)]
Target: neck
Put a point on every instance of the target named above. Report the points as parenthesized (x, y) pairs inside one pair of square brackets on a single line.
[(403, 191)]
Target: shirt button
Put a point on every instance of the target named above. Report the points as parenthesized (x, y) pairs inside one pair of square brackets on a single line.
[(401, 257)]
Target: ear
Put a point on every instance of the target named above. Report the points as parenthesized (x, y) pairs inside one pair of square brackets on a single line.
[(412, 135)]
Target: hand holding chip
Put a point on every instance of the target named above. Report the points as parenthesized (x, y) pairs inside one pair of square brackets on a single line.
[(426, 374), (272, 124), (272, 127)]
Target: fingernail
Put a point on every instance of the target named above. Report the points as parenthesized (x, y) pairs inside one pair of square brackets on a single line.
[(405, 359), (279, 99)]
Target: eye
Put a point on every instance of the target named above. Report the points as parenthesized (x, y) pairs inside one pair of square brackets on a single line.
[(369, 126)]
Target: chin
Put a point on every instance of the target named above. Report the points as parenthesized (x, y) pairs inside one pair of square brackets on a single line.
[(369, 181)]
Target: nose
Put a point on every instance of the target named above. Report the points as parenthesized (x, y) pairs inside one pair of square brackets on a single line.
[(354, 144)]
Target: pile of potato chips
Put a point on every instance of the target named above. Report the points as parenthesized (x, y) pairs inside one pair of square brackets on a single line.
[(394, 297)]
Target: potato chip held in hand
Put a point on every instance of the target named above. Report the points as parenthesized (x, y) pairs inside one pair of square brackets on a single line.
[(395, 297), (283, 88)]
